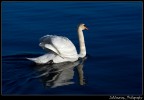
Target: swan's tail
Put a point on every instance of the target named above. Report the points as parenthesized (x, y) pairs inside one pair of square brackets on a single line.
[(32, 59), (42, 59), (38, 60)]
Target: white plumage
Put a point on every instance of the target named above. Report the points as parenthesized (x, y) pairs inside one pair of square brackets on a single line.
[(60, 49)]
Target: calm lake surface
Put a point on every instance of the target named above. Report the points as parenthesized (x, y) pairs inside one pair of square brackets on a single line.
[(113, 43)]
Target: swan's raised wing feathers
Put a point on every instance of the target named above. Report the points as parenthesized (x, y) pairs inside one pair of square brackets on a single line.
[(59, 44), (46, 43)]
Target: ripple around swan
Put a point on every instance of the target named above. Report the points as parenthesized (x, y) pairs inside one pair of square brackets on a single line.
[(53, 76)]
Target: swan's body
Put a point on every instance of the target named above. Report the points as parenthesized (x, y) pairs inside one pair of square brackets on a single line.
[(60, 49)]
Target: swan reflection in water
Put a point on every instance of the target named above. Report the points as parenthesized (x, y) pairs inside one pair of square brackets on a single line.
[(61, 74)]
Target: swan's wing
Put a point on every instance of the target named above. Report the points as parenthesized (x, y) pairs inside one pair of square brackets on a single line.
[(64, 46), (46, 44), (60, 45), (48, 47)]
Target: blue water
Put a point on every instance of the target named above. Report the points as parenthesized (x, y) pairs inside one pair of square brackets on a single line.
[(113, 43)]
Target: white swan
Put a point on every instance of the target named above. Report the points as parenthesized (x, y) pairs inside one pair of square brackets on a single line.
[(61, 49)]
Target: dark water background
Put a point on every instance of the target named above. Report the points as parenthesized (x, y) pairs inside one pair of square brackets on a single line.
[(113, 44)]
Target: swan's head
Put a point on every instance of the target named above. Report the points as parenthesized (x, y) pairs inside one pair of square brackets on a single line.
[(82, 27)]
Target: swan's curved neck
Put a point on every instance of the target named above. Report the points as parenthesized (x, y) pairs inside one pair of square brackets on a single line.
[(81, 43)]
